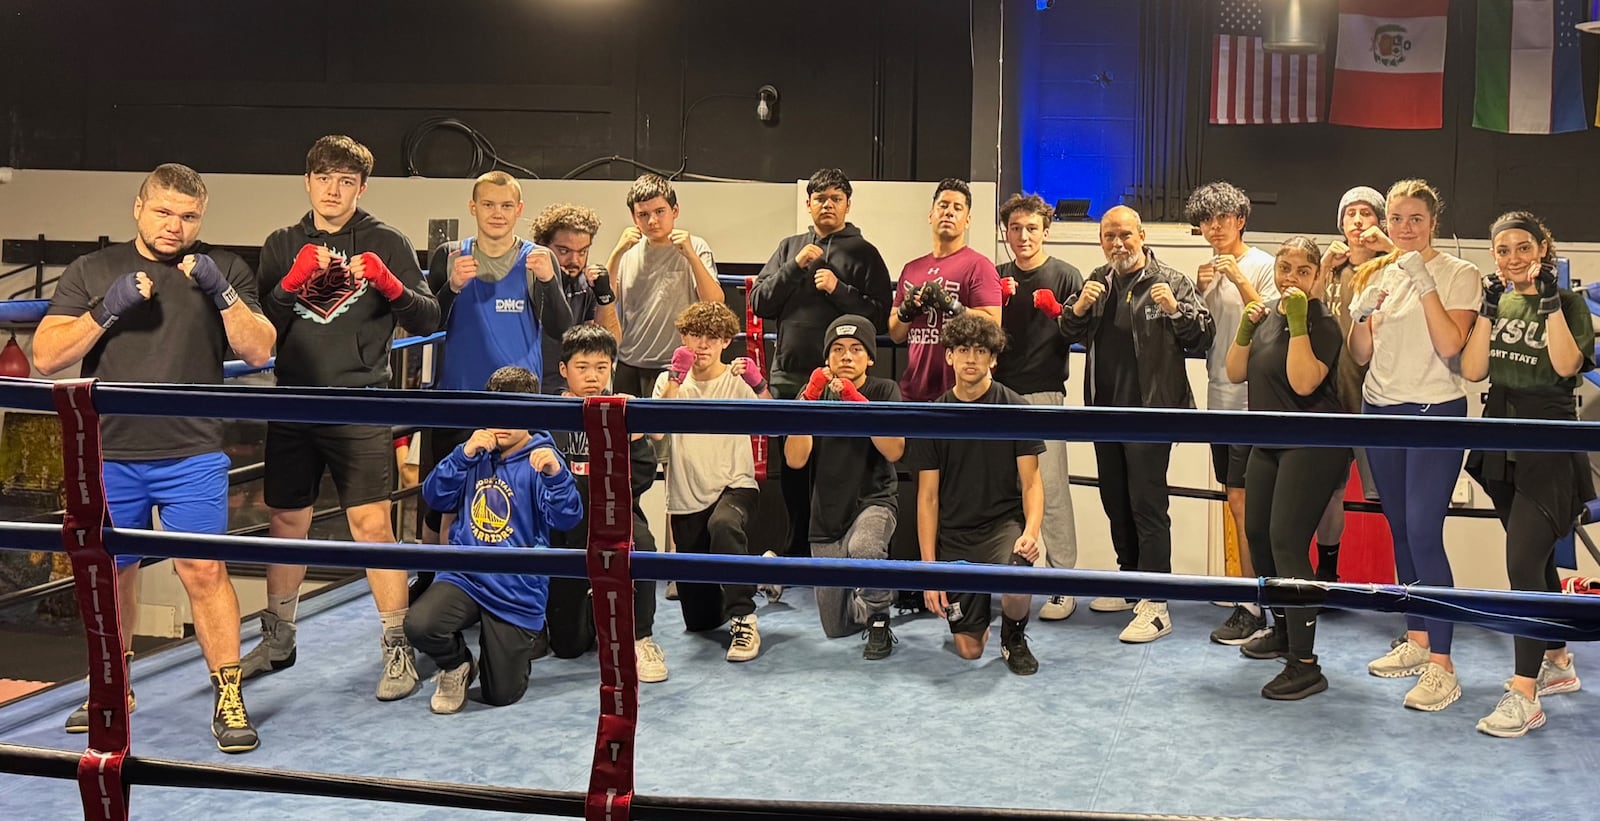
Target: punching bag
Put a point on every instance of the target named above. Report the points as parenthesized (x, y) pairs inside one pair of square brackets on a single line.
[(13, 362)]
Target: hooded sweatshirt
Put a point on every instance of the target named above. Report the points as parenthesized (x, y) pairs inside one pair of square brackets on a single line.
[(337, 333), (788, 293), (504, 504)]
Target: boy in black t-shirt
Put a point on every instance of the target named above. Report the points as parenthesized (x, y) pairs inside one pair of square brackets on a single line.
[(979, 500), (588, 354), (855, 496)]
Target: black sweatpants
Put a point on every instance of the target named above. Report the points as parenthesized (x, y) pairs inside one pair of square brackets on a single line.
[(1288, 489), (720, 528), (1133, 491), (505, 651), (796, 482), (1531, 536), (569, 615)]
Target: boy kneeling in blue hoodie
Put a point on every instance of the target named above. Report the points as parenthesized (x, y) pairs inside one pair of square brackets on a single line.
[(510, 489)]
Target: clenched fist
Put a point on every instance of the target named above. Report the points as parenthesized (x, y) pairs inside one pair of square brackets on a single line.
[(1091, 293), (463, 269), (1161, 292), (809, 254)]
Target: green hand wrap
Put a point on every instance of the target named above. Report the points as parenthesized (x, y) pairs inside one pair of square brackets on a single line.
[(1294, 310), (1247, 326)]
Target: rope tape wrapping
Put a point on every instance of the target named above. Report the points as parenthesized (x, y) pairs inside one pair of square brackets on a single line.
[(94, 573), (607, 563)]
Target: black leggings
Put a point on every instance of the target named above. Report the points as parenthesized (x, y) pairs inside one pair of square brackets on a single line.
[(1530, 559), (1288, 489)]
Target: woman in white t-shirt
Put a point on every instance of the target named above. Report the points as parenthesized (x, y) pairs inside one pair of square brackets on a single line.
[(1412, 318)]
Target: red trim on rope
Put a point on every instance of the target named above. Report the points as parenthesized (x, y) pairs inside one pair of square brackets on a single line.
[(755, 347), (610, 577), (94, 579)]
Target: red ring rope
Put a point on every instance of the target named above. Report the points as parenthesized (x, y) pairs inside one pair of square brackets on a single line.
[(611, 580), (94, 579), (755, 347)]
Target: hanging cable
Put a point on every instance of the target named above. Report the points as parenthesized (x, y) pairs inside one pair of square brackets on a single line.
[(484, 157)]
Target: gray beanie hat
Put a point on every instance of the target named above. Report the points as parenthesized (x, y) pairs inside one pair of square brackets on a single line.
[(1360, 193)]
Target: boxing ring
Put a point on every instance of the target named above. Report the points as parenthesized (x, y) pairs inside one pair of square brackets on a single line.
[(106, 771)]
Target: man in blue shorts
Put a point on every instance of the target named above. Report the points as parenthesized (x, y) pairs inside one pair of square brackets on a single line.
[(165, 308)]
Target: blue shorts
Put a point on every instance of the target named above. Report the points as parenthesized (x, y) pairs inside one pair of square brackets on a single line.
[(192, 494)]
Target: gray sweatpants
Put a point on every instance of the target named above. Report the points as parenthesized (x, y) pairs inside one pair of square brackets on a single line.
[(845, 611), (1060, 533)]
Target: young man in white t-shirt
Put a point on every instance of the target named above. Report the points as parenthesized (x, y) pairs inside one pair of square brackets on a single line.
[(1236, 276), (711, 480)]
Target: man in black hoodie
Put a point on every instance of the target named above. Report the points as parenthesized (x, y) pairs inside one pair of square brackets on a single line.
[(335, 285), (1138, 317), (811, 280)]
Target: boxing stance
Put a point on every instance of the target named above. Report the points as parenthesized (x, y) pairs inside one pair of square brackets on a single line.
[(1531, 340), (165, 308), (933, 289), (1235, 276), (856, 497), (509, 489), (568, 231), (711, 481), (979, 500), (588, 355), (337, 283), (1288, 353), (1035, 364), (1411, 323)]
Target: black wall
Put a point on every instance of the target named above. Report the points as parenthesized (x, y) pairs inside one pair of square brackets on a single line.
[(881, 89), (1480, 173)]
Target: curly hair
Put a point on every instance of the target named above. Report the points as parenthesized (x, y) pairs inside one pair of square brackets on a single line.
[(512, 379), (712, 320), (1543, 234), (972, 330), (1216, 199), (1029, 204), (564, 216)]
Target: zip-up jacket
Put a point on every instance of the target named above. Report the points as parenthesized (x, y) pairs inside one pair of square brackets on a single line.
[(1160, 343)]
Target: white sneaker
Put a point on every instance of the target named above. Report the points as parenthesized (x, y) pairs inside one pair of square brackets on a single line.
[(746, 639), (1058, 608), (1436, 690), (649, 660), (450, 694), (1513, 717), (1402, 661), (773, 592), (672, 591), (1555, 679), (1110, 604), (1150, 622)]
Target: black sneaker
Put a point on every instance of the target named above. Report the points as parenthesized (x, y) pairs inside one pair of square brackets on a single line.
[(880, 639), (1272, 644), (229, 721), (1241, 626), (1298, 680), (1019, 659)]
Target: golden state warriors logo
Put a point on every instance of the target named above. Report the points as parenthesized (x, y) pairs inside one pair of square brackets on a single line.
[(1390, 44), (491, 511)]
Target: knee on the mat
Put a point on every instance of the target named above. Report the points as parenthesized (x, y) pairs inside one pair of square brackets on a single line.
[(726, 527), (969, 646), (502, 695)]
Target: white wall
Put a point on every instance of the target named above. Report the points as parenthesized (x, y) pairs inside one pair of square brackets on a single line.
[(743, 223)]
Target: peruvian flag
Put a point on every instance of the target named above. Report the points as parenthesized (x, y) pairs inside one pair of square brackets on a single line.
[(1389, 72)]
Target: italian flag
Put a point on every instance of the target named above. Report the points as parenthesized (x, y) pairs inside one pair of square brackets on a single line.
[(1529, 67), (1389, 71)]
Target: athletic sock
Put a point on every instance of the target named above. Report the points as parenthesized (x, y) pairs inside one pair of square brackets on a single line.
[(394, 622), (284, 607), (1328, 561)]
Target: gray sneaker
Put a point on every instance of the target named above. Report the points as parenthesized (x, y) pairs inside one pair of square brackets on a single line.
[(1513, 717), (399, 668), (1402, 661), (276, 650), (78, 721), (1436, 690), (451, 693), (1555, 679)]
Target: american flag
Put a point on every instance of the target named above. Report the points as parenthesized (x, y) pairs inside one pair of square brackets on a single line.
[(1252, 87)]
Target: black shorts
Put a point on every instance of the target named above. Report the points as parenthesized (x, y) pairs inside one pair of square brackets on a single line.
[(360, 457), (437, 444), (1228, 462), (970, 612)]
